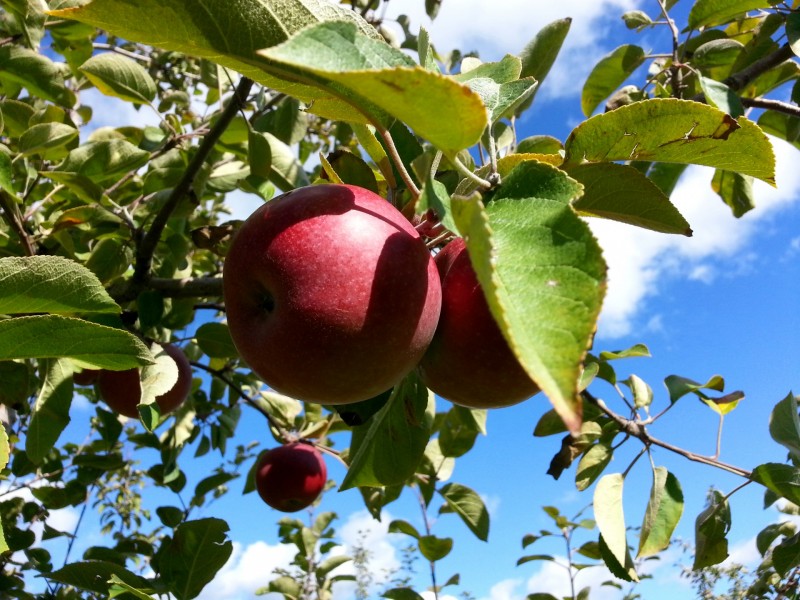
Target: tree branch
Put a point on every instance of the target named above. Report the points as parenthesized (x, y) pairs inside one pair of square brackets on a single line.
[(11, 216), (199, 287), (739, 80), (776, 105), (148, 241)]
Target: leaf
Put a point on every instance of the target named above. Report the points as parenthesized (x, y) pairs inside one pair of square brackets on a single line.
[(434, 548), (642, 392), (784, 425), (709, 13), (51, 412), (47, 139), (678, 386), (121, 77), (94, 575), (793, 31), (228, 37), (104, 160), (403, 421), (711, 528), (5, 453), (786, 555), (786, 127), (664, 510), (782, 479), (89, 345), (215, 340), (721, 96), (120, 588), (717, 53), (259, 154), (434, 196), (286, 172), (469, 506), (191, 558), (40, 75), (608, 74), (611, 519), (772, 532), (402, 594), (621, 193), (592, 465), (499, 85), (533, 256), (735, 190), (381, 81), (540, 144), (540, 53), (51, 284), (458, 431), (674, 131)]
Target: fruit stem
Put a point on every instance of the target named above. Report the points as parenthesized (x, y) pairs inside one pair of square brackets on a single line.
[(391, 150), (476, 179)]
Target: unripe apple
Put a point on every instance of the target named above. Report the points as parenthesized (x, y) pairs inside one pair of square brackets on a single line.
[(469, 361), (331, 295), (122, 390), (290, 477)]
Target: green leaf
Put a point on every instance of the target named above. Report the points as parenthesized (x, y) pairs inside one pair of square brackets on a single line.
[(709, 13), (621, 193), (47, 139), (105, 160), (121, 77), (611, 519), (772, 532), (674, 131), (786, 555), (51, 412), (678, 386), (711, 528), (735, 190), (434, 548), (226, 36), (402, 420), (380, 82), (469, 506), (499, 85), (592, 465), (400, 526), (50, 284), (458, 431), (94, 575), (533, 255), (793, 31), (664, 510), (120, 588), (642, 392), (286, 172), (784, 425), (259, 154), (190, 559), (782, 479), (717, 53), (89, 345), (40, 75), (402, 594), (608, 74), (434, 196), (215, 340), (540, 53), (786, 127), (540, 144), (720, 95)]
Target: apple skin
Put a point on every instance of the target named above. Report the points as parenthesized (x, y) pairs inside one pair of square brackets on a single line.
[(122, 390), (469, 361), (331, 295), (291, 477)]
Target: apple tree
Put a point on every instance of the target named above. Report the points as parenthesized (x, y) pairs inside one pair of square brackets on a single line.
[(114, 237)]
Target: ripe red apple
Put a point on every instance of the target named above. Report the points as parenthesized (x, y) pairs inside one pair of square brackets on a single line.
[(122, 390), (331, 295), (85, 377), (469, 361), (291, 477)]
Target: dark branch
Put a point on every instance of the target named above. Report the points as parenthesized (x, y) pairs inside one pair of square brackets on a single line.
[(200, 287), (739, 80), (776, 105)]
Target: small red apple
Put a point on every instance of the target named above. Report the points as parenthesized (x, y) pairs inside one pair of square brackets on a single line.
[(331, 295), (469, 361), (85, 377), (291, 477), (122, 390)]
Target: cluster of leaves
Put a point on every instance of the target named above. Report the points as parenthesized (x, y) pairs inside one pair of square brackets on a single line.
[(113, 239)]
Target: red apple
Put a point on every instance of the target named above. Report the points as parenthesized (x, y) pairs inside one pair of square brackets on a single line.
[(85, 377), (331, 295), (122, 390), (469, 361), (291, 477)]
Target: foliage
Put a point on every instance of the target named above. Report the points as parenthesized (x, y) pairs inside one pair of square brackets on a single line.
[(113, 239)]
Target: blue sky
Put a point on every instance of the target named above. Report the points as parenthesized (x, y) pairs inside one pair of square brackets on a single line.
[(723, 302)]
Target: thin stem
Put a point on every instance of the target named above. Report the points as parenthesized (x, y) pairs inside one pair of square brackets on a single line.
[(476, 179), (570, 570), (244, 396), (394, 155), (427, 524), (11, 216), (677, 77), (634, 461), (737, 488), (123, 52)]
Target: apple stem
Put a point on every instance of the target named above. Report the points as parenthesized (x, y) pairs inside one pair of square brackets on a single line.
[(391, 150)]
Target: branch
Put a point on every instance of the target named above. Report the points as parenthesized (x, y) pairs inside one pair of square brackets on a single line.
[(776, 105), (199, 287), (739, 80), (636, 429), (11, 216), (149, 240)]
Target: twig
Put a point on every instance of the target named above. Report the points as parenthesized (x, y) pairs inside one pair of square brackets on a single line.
[(123, 52), (391, 150), (148, 241), (244, 396), (739, 80), (11, 216), (675, 68), (476, 179), (776, 105)]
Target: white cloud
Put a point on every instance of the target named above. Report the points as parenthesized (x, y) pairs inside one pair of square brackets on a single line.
[(640, 261), (248, 569), (508, 589)]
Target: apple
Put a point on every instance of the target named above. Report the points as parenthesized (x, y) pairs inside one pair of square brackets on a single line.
[(469, 361), (122, 390), (290, 477), (331, 295)]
